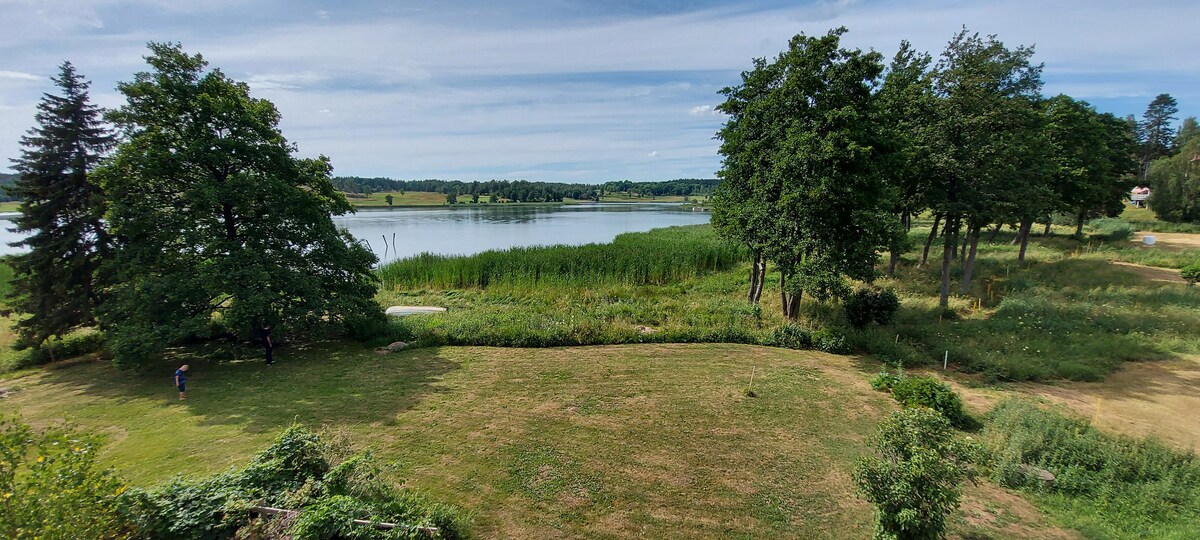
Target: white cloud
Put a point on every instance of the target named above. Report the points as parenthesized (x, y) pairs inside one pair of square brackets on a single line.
[(322, 14), (653, 154), (19, 75)]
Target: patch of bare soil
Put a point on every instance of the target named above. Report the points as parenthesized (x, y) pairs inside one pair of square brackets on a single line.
[(1152, 273), (989, 511), (1170, 241)]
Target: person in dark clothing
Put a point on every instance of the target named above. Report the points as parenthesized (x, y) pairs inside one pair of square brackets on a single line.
[(268, 344), (181, 381)]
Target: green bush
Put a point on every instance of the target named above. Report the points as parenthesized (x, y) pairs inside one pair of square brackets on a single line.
[(1191, 274), (914, 477), (790, 336), (1110, 486), (868, 304), (299, 471), (933, 394), (884, 381), (51, 486), (831, 341), (1111, 229)]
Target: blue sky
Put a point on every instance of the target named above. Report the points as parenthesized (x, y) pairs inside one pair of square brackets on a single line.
[(558, 90)]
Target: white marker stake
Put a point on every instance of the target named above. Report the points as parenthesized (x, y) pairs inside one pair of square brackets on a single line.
[(945, 360)]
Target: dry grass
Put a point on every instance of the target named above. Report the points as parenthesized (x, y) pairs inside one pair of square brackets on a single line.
[(1169, 241)]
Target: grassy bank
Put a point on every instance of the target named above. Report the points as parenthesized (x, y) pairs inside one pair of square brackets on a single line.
[(409, 198), (1068, 312)]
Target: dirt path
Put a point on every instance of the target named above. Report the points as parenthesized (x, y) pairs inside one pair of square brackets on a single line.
[(1152, 273), (1143, 398)]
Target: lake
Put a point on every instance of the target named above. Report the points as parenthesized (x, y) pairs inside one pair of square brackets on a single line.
[(463, 230)]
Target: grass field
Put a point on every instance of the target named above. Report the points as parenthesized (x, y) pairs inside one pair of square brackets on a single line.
[(619, 442), (409, 198), (10, 206)]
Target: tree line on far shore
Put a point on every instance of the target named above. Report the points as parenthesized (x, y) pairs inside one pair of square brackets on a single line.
[(829, 154), (526, 191)]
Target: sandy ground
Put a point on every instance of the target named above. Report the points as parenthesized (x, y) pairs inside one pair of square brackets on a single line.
[(1170, 241)]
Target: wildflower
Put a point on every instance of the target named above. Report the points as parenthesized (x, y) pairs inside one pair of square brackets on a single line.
[(41, 459)]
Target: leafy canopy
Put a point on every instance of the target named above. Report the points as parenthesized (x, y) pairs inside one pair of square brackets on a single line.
[(216, 221)]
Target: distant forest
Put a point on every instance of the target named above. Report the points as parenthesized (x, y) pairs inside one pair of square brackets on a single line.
[(524, 191)]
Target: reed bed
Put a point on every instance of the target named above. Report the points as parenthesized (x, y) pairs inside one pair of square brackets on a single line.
[(658, 257)]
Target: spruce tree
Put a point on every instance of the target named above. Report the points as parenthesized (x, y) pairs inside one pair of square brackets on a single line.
[(61, 209), (1155, 132)]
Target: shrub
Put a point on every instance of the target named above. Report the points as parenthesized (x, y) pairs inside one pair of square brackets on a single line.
[(914, 477), (831, 341), (299, 471), (884, 381), (1191, 274), (933, 394), (868, 304), (791, 336), (1111, 229), (51, 486)]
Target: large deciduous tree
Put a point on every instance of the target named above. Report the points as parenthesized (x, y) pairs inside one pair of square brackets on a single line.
[(983, 139), (1175, 185), (801, 170), (905, 102), (218, 226), (54, 282), (1092, 156)]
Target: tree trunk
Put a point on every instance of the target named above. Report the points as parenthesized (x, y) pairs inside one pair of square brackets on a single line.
[(1079, 224), (893, 258), (753, 277), (762, 278), (948, 248), (969, 264), (962, 253), (937, 218), (1049, 221), (1023, 235), (783, 295), (793, 307), (996, 231)]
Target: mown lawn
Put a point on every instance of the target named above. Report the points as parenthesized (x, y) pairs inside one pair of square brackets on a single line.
[(656, 441)]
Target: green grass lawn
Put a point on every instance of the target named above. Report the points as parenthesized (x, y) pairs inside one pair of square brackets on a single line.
[(645, 441), (10, 206), (613, 441)]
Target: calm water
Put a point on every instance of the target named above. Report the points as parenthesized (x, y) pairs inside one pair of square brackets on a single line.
[(466, 230)]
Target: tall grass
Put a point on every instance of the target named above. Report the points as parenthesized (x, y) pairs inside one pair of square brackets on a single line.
[(657, 257), (1105, 486)]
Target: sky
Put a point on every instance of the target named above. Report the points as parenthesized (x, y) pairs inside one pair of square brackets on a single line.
[(555, 90)]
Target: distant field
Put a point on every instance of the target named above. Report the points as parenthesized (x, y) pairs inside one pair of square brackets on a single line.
[(409, 198), (10, 206), (622, 198)]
